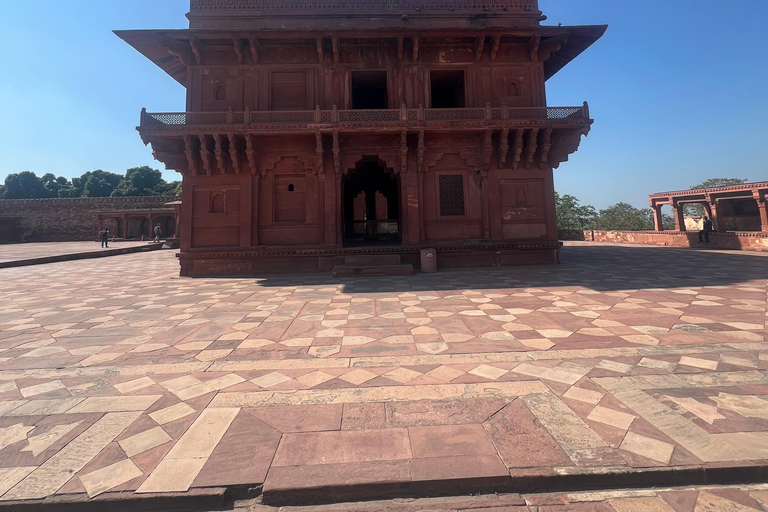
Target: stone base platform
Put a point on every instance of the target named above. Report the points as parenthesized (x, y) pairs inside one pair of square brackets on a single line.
[(291, 260)]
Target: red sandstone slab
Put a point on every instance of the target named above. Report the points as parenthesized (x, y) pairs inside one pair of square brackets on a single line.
[(521, 441), (243, 455), (488, 469), (343, 447), (448, 412), (301, 418), (450, 441), (323, 482)]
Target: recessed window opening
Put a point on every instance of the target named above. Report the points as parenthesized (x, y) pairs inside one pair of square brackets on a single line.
[(369, 90), (448, 89), (220, 93), (291, 188)]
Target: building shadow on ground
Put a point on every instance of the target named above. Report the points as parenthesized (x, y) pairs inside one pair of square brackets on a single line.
[(595, 267)]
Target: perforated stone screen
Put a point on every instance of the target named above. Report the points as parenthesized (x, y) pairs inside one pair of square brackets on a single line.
[(451, 195)]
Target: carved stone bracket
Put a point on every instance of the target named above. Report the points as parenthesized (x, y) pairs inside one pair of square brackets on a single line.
[(487, 151), (421, 169), (239, 49), (518, 148), (320, 53), (531, 144), (415, 41), (495, 47), (320, 155), (207, 155), (546, 147), (336, 154), (253, 157), (234, 153), (400, 49), (533, 47), (335, 43), (197, 49), (479, 47), (404, 153), (180, 51), (551, 46), (189, 152), (503, 147), (253, 45), (218, 140)]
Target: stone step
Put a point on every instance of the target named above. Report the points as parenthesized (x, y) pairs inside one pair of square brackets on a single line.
[(380, 270), (371, 260)]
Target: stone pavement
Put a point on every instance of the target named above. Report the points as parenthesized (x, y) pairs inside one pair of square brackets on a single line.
[(16, 252), (623, 366), (749, 498)]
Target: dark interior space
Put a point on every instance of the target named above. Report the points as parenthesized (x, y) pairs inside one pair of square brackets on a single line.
[(369, 90), (371, 204), (448, 89)]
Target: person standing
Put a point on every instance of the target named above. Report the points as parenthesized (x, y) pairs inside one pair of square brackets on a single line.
[(105, 238), (157, 233), (706, 229)]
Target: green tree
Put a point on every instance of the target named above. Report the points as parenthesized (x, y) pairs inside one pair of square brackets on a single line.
[(54, 186), (697, 209), (2, 191), (572, 215), (96, 183), (24, 185), (141, 181), (623, 216)]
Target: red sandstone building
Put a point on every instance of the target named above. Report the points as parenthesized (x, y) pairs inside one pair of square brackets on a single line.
[(316, 130)]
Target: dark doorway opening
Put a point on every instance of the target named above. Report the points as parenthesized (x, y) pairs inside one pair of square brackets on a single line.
[(369, 90), (371, 204), (448, 89)]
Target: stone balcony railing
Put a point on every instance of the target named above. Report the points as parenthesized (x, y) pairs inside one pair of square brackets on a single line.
[(401, 116)]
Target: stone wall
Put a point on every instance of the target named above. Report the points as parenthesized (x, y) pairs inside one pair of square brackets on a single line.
[(744, 241), (64, 220)]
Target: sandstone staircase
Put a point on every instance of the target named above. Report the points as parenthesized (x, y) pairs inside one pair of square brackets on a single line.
[(373, 265)]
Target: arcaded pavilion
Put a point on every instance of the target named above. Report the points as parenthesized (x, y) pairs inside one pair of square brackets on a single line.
[(345, 133)]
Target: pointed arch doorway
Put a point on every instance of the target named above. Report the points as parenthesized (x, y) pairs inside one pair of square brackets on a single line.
[(371, 204)]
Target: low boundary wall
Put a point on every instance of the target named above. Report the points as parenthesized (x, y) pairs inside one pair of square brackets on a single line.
[(737, 240), (64, 220)]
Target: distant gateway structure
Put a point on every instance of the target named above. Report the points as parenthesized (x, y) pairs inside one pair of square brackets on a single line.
[(319, 129)]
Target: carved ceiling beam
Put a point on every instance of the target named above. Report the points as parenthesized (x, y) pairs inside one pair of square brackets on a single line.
[(189, 152), (218, 141), (234, 153), (518, 148), (533, 47), (503, 147), (320, 53), (495, 47), (250, 153), (239, 49), (479, 47), (400, 48), (197, 49), (253, 46), (335, 43), (546, 147), (206, 154), (415, 41), (336, 154)]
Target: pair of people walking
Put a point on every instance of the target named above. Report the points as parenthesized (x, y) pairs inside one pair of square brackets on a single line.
[(706, 229)]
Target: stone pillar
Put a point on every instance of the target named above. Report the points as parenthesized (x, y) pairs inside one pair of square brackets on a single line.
[(679, 217), (715, 216), (658, 219), (762, 205)]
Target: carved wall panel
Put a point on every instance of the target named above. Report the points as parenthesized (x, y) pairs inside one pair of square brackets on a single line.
[(512, 86), (216, 216), (523, 212), (220, 89)]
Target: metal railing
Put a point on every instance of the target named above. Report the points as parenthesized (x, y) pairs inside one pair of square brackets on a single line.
[(336, 116)]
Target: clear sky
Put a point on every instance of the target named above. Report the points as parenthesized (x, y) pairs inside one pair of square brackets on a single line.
[(678, 90)]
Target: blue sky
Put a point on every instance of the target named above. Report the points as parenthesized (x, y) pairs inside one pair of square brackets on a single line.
[(678, 90)]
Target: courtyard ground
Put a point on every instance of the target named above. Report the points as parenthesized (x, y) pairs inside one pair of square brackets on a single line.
[(623, 367), (18, 252)]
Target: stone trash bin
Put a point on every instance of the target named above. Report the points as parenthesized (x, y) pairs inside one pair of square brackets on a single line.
[(428, 261)]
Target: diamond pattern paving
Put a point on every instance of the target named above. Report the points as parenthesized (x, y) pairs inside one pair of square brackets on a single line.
[(614, 360)]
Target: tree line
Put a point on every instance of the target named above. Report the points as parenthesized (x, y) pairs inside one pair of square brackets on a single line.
[(572, 215), (137, 181)]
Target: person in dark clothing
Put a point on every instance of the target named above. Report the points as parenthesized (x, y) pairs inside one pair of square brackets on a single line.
[(706, 229), (105, 238)]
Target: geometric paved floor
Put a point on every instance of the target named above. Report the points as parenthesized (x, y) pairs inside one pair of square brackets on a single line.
[(17, 252), (120, 376)]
